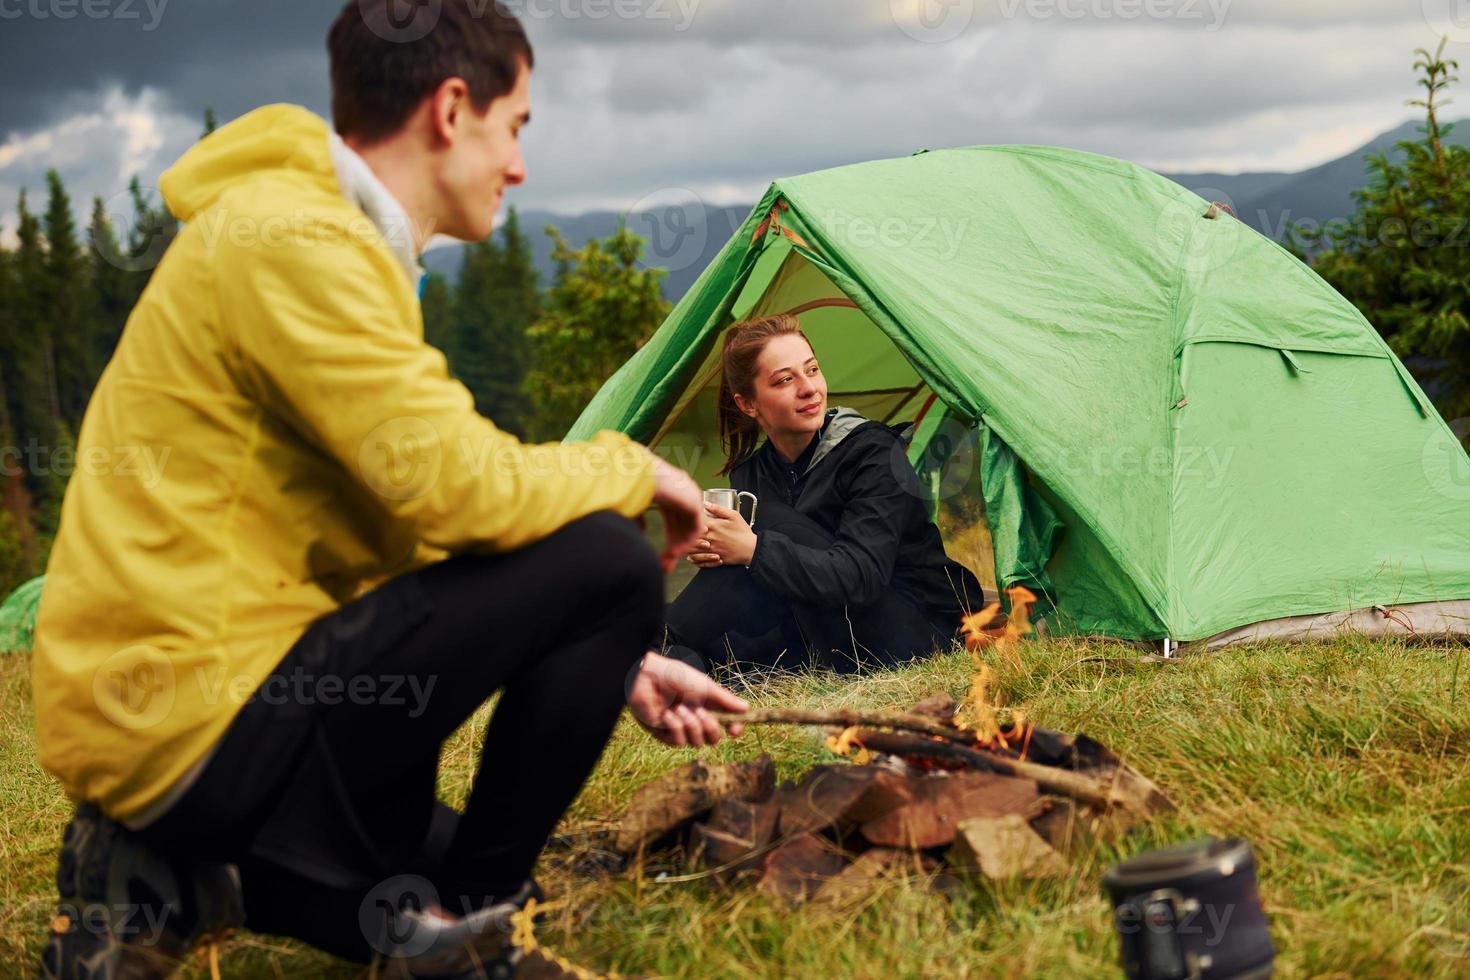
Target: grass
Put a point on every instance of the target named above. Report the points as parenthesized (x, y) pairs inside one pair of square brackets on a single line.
[(1346, 764)]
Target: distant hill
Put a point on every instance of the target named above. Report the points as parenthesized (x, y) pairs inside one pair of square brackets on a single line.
[(684, 237), (1270, 202)]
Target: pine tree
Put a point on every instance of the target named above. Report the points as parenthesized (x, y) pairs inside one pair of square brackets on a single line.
[(209, 122), (29, 382), (8, 353), (515, 301), (63, 300), (600, 310), (438, 306), (13, 566), (153, 230), (471, 346), (1402, 257), (110, 292), (495, 304)]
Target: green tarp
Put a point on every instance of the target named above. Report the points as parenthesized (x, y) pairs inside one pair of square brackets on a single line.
[(1179, 427), (18, 617)]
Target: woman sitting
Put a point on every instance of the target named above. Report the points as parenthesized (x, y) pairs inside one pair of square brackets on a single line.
[(844, 568)]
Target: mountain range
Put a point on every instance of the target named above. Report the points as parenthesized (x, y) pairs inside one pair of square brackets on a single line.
[(684, 236)]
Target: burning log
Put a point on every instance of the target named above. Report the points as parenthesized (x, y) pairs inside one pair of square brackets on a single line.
[(1122, 788), (1000, 799)]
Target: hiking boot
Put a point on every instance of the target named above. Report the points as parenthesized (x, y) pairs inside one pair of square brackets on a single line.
[(476, 946), (127, 911)]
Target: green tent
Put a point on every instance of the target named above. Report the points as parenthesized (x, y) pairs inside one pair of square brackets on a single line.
[(18, 617), (1181, 432)]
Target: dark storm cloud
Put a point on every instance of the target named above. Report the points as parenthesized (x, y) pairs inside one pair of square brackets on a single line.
[(721, 96), (232, 55)]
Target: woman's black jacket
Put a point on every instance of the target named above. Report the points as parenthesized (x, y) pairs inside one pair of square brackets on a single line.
[(858, 484)]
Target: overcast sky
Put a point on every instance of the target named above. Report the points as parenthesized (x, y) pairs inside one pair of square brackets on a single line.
[(635, 97)]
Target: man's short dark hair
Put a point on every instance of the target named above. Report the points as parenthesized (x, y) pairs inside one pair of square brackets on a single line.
[(387, 56)]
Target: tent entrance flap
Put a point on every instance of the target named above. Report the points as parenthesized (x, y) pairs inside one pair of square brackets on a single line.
[(864, 370)]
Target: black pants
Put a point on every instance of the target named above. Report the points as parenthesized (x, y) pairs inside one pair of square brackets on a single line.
[(733, 622), (323, 788)]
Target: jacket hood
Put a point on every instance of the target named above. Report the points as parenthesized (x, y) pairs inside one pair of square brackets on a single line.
[(841, 423), (275, 137)]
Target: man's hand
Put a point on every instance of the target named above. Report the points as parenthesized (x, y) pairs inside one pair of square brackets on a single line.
[(726, 540), (681, 503), (671, 699)]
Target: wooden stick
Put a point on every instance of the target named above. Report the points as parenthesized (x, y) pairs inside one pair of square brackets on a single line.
[(1122, 788), (847, 719), (1063, 782)]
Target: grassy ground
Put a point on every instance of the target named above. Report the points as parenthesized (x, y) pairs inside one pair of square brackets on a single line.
[(1347, 765)]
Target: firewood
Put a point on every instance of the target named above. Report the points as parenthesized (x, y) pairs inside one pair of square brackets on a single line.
[(941, 802), (736, 835), (822, 798), (940, 707), (856, 881), (1003, 847), (1060, 824), (1114, 787), (689, 791), (1122, 788), (846, 719), (796, 869), (886, 791)]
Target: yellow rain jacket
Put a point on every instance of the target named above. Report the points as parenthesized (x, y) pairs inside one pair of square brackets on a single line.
[(272, 436)]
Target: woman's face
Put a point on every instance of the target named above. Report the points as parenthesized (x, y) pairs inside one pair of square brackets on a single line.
[(789, 393)]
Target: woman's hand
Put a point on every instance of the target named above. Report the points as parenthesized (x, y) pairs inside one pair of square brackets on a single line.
[(670, 699), (726, 539)]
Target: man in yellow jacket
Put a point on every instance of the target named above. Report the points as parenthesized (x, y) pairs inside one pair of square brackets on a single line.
[(247, 658)]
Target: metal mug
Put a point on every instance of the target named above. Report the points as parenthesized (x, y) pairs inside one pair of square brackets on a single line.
[(730, 499)]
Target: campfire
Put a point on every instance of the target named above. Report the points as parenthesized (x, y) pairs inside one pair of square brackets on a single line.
[(940, 782)]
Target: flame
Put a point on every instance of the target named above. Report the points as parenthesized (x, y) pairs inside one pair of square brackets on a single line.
[(844, 743), (1004, 642)]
